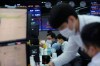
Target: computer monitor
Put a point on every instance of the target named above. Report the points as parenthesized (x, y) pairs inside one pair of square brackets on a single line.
[(95, 8), (45, 24), (34, 16), (13, 24), (13, 55)]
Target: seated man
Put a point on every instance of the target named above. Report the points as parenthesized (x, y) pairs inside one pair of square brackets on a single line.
[(91, 38), (59, 46), (51, 39), (61, 41)]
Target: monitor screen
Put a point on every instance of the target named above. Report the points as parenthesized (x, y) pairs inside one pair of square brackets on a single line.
[(95, 8), (36, 21), (34, 16), (45, 24), (13, 24), (13, 55)]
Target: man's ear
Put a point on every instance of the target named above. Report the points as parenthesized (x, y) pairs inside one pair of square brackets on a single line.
[(93, 49), (71, 19)]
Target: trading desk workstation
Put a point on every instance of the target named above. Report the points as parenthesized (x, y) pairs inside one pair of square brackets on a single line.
[(23, 30), (19, 31)]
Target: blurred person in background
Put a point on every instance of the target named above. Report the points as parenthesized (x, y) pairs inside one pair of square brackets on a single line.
[(59, 46), (43, 44), (91, 39), (51, 39), (61, 40)]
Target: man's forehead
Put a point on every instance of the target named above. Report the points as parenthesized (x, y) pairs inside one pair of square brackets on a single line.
[(49, 36)]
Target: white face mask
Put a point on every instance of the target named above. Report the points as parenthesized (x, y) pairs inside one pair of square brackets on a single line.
[(49, 41), (67, 32)]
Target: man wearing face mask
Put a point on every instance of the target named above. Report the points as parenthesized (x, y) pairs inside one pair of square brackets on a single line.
[(51, 39), (64, 18), (61, 43)]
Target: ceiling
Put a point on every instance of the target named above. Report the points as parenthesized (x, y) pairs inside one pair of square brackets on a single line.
[(45, 10)]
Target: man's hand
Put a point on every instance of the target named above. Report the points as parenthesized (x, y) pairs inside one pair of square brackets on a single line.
[(51, 64)]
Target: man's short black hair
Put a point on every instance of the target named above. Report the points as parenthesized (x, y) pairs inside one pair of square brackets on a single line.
[(52, 35), (49, 31), (60, 13), (91, 34), (59, 36)]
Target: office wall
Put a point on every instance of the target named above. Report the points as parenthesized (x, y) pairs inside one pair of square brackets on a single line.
[(42, 34)]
